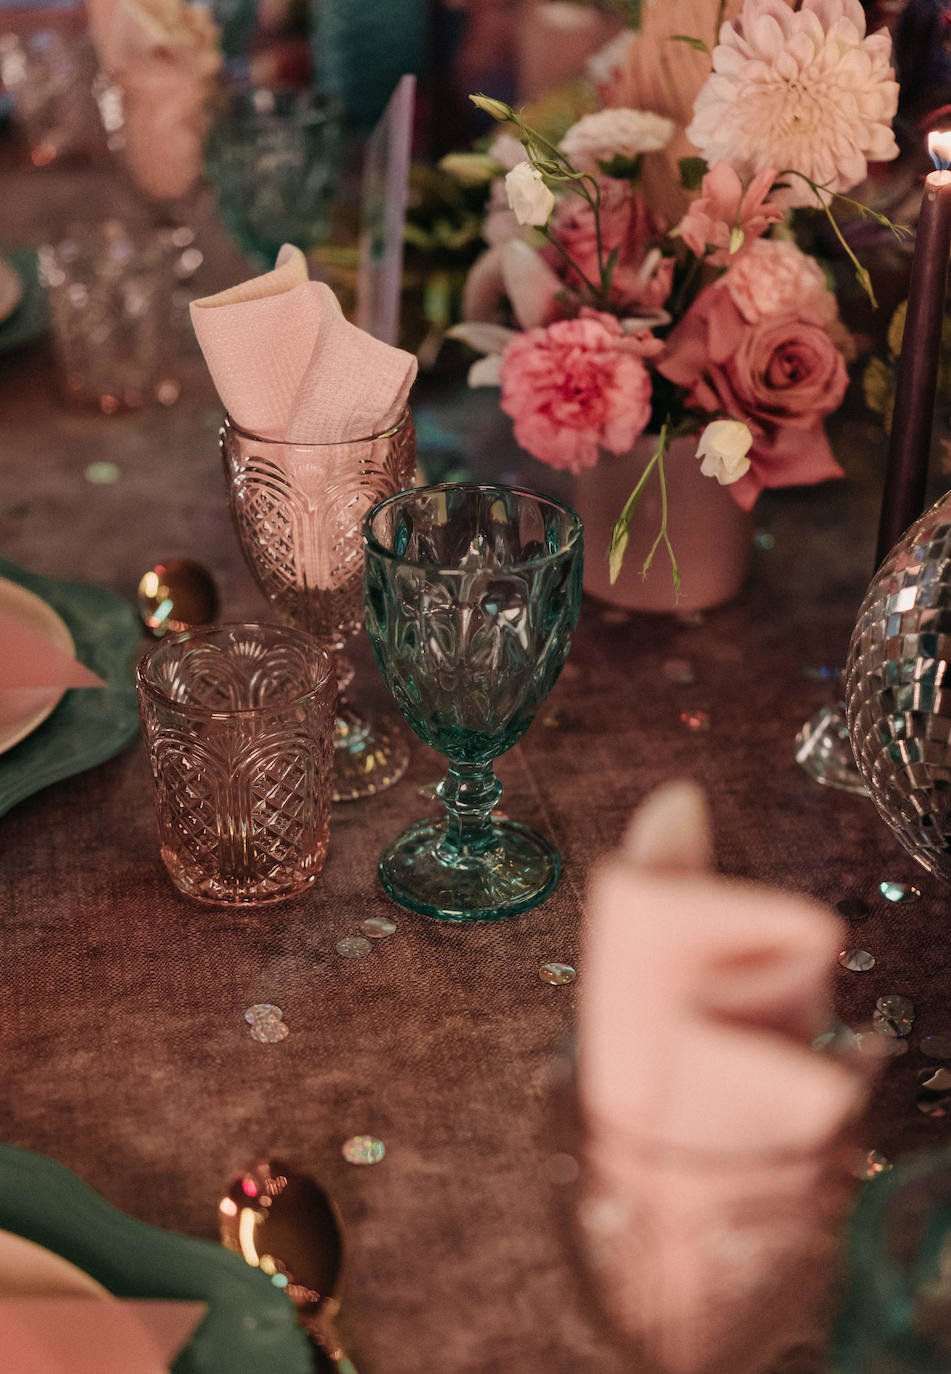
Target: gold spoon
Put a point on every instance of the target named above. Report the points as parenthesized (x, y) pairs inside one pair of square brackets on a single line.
[(176, 594), (283, 1223)]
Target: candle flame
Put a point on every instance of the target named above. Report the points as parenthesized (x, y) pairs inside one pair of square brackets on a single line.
[(939, 146)]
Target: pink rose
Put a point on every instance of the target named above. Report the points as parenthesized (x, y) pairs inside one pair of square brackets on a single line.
[(576, 387), (781, 376), (722, 208), (641, 278)]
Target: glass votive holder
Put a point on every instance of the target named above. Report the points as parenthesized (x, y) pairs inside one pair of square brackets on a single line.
[(238, 720), (895, 1313), (112, 297)]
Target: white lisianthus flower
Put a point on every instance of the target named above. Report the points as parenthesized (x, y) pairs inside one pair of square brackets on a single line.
[(529, 198), (798, 88), (723, 447), (615, 133)]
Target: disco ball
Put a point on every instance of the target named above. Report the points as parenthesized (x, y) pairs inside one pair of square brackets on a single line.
[(898, 689)]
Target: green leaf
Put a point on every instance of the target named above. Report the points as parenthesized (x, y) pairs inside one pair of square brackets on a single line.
[(622, 168), (696, 43), (691, 172), (618, 547), (736, 238)]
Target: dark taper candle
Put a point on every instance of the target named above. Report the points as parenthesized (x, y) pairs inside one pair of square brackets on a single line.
[(906, 475)]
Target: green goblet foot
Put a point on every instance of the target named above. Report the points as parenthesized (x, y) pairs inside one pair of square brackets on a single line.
[(516, 871)]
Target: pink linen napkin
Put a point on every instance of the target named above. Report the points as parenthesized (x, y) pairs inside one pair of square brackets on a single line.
[(28, 659), (164, 58), (93, 1336), (287, 364), (714, 1129)]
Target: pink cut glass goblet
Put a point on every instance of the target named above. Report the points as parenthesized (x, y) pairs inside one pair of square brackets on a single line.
[(298, 511)]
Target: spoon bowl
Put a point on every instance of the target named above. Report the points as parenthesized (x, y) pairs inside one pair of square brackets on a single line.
[(282, 1222)]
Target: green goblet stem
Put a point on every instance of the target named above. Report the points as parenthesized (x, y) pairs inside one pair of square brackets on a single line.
[(470, 793)]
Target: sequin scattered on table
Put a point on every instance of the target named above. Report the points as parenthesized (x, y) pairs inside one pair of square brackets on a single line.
[(557, 974), (934, 1092), (270, 1032), (893, 1015), (378, 927), (876, 1046), (353, 947), (899, 892), (615, 617), (872, 1163), (554, 721), (428, 791), (679, 670), (263, 1011), (853, 909), (363, 1149), (762, 539), (102, 474), (695, 721), (857, 960), (936, 1046), (838, 1039)]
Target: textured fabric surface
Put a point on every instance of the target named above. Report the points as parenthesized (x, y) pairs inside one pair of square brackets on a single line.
[(125, 1052)]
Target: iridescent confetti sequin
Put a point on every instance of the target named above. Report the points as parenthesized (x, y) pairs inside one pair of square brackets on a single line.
[(762, 539), (695, 721), (893, 1015), (872, 1163), (934, 1092), (554, 721), (899, 892), (262, 1011), (428, 791), (101, 474), (679, 670), (557, 974), (267, 1024), (876, 1046), (838, 1039), (616, 617), (270, 1032), (857, 960), (363, 1149), (378, 927), (353, 947), (936, 1046), (853, 909)]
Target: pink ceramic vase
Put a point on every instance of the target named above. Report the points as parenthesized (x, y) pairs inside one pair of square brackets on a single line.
[(711, 536)]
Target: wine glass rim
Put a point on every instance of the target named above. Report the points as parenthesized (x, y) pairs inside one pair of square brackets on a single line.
[(193, 708), (571, 540), (230, 423)]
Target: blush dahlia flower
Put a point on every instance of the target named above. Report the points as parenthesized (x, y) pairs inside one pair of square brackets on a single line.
[(804, 89)]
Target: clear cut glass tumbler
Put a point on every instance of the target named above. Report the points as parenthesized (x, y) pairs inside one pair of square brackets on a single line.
[(238, 720), (472, 593), (298, 511)]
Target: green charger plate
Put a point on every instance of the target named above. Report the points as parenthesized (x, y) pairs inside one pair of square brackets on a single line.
[(250, 1326), (89, 724)]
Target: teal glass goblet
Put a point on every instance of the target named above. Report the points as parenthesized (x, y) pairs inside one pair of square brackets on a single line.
[(471, 595)]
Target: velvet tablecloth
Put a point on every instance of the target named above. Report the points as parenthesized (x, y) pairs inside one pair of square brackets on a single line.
[(125, 1051)]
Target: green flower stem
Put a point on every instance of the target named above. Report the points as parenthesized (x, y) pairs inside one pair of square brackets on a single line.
[(595, 293), (622, 528)]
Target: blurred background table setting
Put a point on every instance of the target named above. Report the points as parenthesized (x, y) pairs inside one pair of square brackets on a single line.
[(307, 361)]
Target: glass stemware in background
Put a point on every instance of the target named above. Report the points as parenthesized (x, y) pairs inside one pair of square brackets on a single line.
[(273, 158), (472, 593), (298, 511), (895, 1316)]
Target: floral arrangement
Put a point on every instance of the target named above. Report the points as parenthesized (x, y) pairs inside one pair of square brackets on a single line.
[(641, 273)]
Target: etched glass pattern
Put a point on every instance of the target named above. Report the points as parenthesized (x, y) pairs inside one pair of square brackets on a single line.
[(298, 511), (238, 721), (898, 689), (471, 594)]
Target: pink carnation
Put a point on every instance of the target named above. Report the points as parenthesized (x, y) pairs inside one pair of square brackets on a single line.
[(641, 277), (576, 387), (774, 278), (723, 207), (781, 376)]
